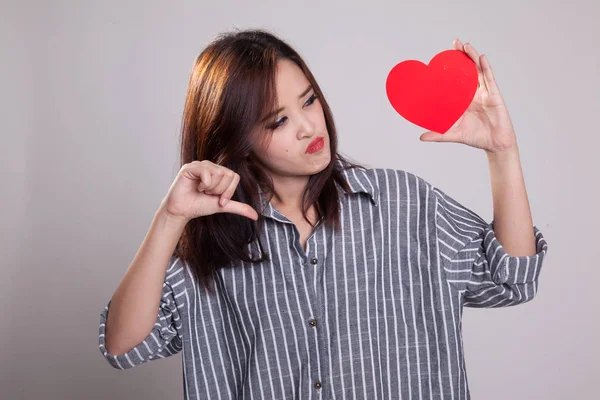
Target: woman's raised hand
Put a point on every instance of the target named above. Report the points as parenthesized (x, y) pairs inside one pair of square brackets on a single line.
[(203, 188)]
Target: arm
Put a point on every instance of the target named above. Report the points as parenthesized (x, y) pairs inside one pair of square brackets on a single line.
[(512, 215), (134, 305), (474, 261), (476, 264)]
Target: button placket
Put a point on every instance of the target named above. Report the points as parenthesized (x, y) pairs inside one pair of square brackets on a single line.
[(314, 261)]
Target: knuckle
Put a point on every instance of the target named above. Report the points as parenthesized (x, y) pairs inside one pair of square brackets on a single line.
[(192, 164)]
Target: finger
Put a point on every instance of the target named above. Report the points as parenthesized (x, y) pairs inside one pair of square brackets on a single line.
[(488, 76), (242, 209), (205, 179), (228, 193), (470, 50), (431, 136), (199, 173), (221, 182), (192, 169), (458, 45), (451, 135), (216, 174)]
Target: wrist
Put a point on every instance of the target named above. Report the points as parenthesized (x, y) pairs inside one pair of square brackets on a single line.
[(503, 155), (170, 219)]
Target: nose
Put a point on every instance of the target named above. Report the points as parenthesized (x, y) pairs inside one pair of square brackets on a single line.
[(306, 127)]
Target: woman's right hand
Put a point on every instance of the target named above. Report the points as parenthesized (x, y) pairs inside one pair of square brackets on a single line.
[(203, 188)]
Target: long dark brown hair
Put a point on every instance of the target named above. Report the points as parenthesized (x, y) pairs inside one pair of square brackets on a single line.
[(231, 89)]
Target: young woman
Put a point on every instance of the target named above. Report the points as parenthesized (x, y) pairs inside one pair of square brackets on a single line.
[(283, 271)]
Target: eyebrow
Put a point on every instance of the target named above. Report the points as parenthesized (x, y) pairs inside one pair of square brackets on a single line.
[(272, 113)]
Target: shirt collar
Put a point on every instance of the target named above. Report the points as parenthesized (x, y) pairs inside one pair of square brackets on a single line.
[(359, 180)]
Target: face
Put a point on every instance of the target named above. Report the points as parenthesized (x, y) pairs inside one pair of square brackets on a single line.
[(293, 128)]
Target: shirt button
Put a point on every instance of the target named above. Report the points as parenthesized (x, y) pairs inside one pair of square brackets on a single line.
[(314, 261), (318, 385), (312, 322)]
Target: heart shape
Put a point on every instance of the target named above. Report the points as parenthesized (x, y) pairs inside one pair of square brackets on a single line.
[(436, 95)]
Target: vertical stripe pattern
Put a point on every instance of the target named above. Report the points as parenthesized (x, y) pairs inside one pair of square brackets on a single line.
[(372, 311)]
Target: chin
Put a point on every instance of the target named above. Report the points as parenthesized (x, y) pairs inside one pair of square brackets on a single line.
[(320, 165)]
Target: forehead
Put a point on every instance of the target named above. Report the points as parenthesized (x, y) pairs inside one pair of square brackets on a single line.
[(290, 79)]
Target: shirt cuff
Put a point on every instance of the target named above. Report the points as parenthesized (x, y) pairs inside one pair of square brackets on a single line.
[(505, 268)]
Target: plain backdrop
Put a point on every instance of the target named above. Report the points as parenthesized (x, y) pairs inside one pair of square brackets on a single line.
[(91, 98)]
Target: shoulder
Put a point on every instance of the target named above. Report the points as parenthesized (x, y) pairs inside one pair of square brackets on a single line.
[(400, 184), (388, 185)]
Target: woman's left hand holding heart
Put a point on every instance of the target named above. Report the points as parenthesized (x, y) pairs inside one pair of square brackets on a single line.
[(485, 124)]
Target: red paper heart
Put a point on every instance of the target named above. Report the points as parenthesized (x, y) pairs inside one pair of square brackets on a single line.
[(436, 95)]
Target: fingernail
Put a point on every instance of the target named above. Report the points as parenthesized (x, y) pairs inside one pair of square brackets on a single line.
[(224, 201)]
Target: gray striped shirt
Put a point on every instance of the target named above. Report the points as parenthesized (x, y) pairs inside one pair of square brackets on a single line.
[(371, 312)]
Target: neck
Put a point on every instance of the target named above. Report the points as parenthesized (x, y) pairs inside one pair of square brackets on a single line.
[(288, 193)]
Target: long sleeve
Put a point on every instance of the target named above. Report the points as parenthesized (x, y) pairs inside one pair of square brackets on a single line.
[(475, 262), (165, 338)]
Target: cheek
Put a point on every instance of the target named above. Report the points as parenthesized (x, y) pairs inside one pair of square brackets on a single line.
[(283, 153), (280, 149), (278, 152)]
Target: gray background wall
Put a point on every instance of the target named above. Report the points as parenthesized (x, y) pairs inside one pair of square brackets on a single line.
[(91, 100)]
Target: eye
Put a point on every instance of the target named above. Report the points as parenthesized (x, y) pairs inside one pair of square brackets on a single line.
[(309, 102), (311, 99)]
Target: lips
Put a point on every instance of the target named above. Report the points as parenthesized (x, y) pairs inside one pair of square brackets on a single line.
[(314, 143)]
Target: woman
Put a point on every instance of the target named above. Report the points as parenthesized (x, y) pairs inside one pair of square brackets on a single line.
[(284, 271)]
